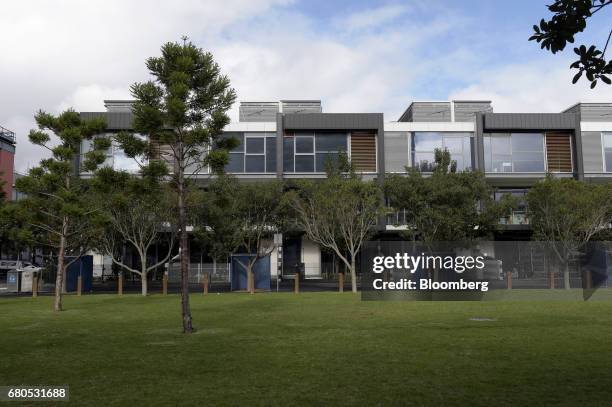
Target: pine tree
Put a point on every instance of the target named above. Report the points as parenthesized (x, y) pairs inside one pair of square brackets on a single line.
[(56, 209), (182, 113)]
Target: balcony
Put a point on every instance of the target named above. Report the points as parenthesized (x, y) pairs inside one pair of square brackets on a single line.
[(515, 218), (7, 135)]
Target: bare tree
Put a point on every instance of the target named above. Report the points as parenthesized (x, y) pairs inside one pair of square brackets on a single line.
[(338, 213), (566, 214), (242, 216), (142, 218)]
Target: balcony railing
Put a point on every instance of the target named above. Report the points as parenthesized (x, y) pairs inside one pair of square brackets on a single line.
[(7, 135), (398, 218)]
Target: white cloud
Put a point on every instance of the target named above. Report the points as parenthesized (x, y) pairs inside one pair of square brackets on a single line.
[(90, 98), (532, 87), (372, 17), (67, 52)]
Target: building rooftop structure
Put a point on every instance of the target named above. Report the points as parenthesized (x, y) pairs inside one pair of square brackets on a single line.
[(7, 135)]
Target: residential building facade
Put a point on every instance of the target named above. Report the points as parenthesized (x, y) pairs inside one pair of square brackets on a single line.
[(291, 139)]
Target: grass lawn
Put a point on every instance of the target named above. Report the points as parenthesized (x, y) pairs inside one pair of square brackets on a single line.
[(312, 349)]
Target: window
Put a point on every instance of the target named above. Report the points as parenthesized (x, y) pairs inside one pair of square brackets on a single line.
[(121, 162), (527, 152), (256, 153), (87, 146), (328, 147), (236, 156), (288, 154), (518, 215), (304, 152), (396, 151), (424, 144), (514, 152), (309, 152), (607, 150), (115, 156), (255, 158)]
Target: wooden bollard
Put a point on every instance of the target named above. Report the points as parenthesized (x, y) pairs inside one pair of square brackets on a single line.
[(509, 281), (120, 284), (79, 285), (35, 284), (165, 284), (341, 282), (297, 283), (551, 280), (205, 283)]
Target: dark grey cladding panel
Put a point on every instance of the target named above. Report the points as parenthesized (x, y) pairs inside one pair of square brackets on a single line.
[(465, 111), (529, 121), (114, 120), (333, 121)]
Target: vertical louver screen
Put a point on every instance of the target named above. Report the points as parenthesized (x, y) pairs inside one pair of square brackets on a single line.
[(363, 151), (559, 152)]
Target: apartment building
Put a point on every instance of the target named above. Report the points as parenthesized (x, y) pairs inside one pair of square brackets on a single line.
[(7, 161), (291, 139)]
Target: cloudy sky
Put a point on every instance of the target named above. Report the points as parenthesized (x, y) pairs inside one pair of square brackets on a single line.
[(362, 56)]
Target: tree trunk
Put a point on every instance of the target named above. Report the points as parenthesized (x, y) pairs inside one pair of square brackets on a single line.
[(184, 255), (566, 276), (143, 281), (250, 279), (353, 274), (59, 278)]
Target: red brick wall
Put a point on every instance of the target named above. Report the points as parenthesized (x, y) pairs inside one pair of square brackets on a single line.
[(6, 172)]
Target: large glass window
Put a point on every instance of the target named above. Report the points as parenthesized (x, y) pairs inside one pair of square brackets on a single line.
[(607, 146), (304, 152), (309, 152), (121, 162), (514, 152), (424, 144), (397, 151), (115, 156), (256, 153)]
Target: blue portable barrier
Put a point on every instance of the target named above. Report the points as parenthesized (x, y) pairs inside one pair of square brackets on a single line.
[(84, 267), (261, 269)]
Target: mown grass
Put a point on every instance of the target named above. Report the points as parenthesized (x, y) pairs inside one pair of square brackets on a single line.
[(310, 349)]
